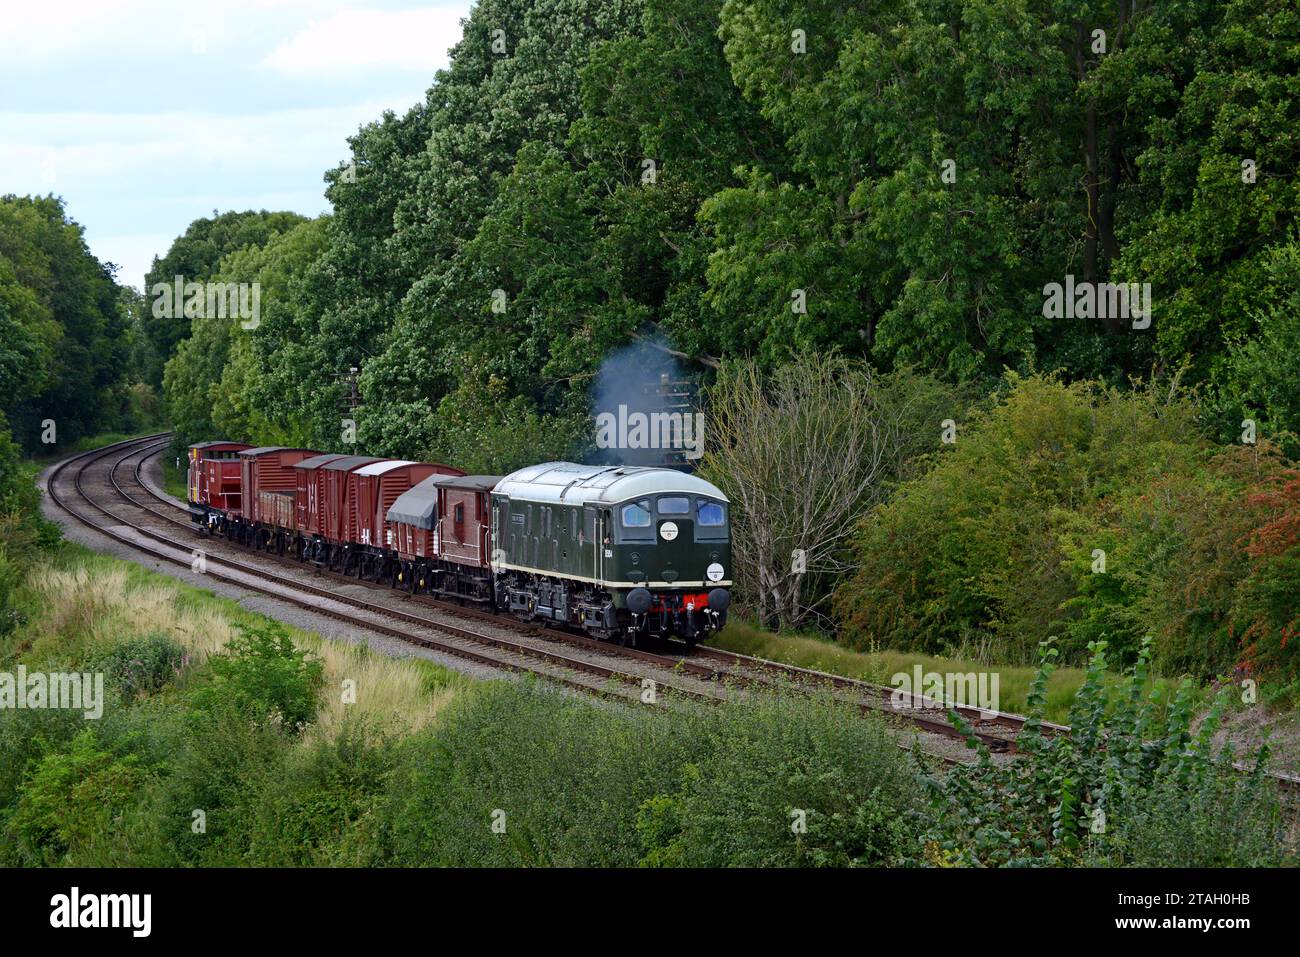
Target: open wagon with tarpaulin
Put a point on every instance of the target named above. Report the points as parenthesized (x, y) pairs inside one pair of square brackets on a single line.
[(441, 537)]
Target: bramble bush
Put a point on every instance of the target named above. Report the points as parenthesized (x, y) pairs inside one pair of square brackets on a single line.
[(1129, 786), (1268, 600)]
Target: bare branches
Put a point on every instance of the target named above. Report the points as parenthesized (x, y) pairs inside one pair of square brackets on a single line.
[(709, 361), (801, 455)]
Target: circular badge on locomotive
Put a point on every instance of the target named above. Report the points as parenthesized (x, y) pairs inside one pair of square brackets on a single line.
[(715, 572), (668, 530)]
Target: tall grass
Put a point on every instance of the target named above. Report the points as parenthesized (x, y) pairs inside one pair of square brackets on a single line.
[(81, 607)]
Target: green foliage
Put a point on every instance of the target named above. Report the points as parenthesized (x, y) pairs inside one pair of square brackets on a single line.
[(195, 257), (978, 548), (900, 188), (568, 777), (1213, 85), (1124, 788), (63, 349), (71, 799), (1093, 514), (586, 787), (787, 782), (309, 813), (26, 736), (220, 379), (22, 529), (182, 777), (142, 666), (261, 673), (1262, 369)]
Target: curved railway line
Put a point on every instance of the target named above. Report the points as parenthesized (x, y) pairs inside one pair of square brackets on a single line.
[(706, 674)]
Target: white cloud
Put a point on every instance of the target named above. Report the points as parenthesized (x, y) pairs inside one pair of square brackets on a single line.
[(50, 148), (32, 33), (132, 252), (407, 39), (122, 173)]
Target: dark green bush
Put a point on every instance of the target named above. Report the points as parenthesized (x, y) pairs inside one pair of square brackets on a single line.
[(304, 815), (977, 548), (1091, 514), (142, 666), (26, 737), (262, 673), (197, 812), (71, 799), (568, 777), (787, 781)]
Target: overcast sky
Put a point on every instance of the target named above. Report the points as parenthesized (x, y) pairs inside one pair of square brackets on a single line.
[(145, 115)]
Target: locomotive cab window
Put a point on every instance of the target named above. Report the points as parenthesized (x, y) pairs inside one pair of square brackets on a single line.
[(674, 505), (710, 520), (635, 522), (636, 515), (460, 513)]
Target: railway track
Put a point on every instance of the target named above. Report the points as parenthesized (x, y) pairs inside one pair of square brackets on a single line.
[(704, 674)]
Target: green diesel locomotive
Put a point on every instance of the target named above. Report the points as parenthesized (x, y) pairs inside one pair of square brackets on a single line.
[(623, 553)]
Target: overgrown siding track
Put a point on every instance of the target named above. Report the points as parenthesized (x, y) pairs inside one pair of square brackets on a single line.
[(584, 664)]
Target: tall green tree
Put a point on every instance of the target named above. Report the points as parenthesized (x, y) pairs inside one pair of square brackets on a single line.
[(63, 355), (194, 257)]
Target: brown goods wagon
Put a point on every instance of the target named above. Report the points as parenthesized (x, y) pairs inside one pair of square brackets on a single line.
[(373, 490), (309, 493), (464, 523), (414, 518), (337, 520), (212, 476), (268, 468)]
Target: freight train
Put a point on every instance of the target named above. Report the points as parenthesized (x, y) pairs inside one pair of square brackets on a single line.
[(620, 553)]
